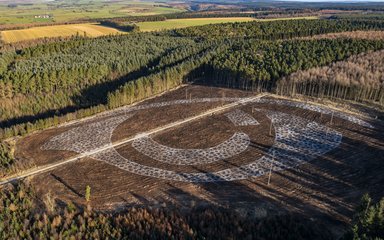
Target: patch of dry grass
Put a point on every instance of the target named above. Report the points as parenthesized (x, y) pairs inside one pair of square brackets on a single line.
[(87, 29), (371, 35)]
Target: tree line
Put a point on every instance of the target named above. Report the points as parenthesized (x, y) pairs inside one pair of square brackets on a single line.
[(164, 78), (6, 158), (18, 46), (244, 12), (275, 30), (260, 66), (17, 26), (122, 26), (24, 215), (163, 70), (55, 75), (359, 78), (48, 84), (369, 16), (368, 220)]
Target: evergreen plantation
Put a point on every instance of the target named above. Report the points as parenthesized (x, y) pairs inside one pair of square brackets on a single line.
[(275, 30), (44, 85), (20, 218), (49, 82)]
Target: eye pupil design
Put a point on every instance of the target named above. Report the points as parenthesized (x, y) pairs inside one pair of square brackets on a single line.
[(297, 141)]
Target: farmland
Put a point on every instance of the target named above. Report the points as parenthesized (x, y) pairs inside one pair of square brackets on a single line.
[(64, 12), (90, 30), (96, 30), (182, 23), (145, 10), (128, 170)]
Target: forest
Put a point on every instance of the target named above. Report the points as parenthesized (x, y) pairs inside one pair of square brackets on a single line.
[(360, 78), (24, 215), (258, 65), (48, 82), (270, 13), (6, 158), (118, 22), (43, 85), (277, 30), (354, 34)]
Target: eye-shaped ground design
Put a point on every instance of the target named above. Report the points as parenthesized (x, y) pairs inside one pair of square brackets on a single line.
[(297, 141), (238, 143)]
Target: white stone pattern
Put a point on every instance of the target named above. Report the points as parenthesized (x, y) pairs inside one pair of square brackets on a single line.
[(86, 137), (95, 135), (235, 145), (297, 141), (241, 118), (316, 108)]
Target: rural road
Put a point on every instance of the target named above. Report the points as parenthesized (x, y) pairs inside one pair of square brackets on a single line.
[(49, 167)]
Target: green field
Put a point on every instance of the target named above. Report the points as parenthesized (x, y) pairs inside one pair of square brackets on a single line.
[(95, 30), (90, 30), (287, 18), (63, 11), (190, 22), (133, 10)]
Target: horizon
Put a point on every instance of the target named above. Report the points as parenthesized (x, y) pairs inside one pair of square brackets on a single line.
[(341, 1)]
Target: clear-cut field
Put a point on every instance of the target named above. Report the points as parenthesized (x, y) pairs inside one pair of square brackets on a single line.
[(322, 160)]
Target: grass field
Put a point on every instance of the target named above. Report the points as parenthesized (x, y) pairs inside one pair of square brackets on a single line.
[(288, 18), (190, 22), (95, 30), (82, 9), (145, 10), (88, 29)]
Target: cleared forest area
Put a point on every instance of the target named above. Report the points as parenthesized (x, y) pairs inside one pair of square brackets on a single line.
[(360, 78), (371, 35), (247, 116), (304, 138)]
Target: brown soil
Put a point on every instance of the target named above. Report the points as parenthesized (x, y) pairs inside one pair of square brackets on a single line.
[(28, 148), (205, 133), (328, 187)]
